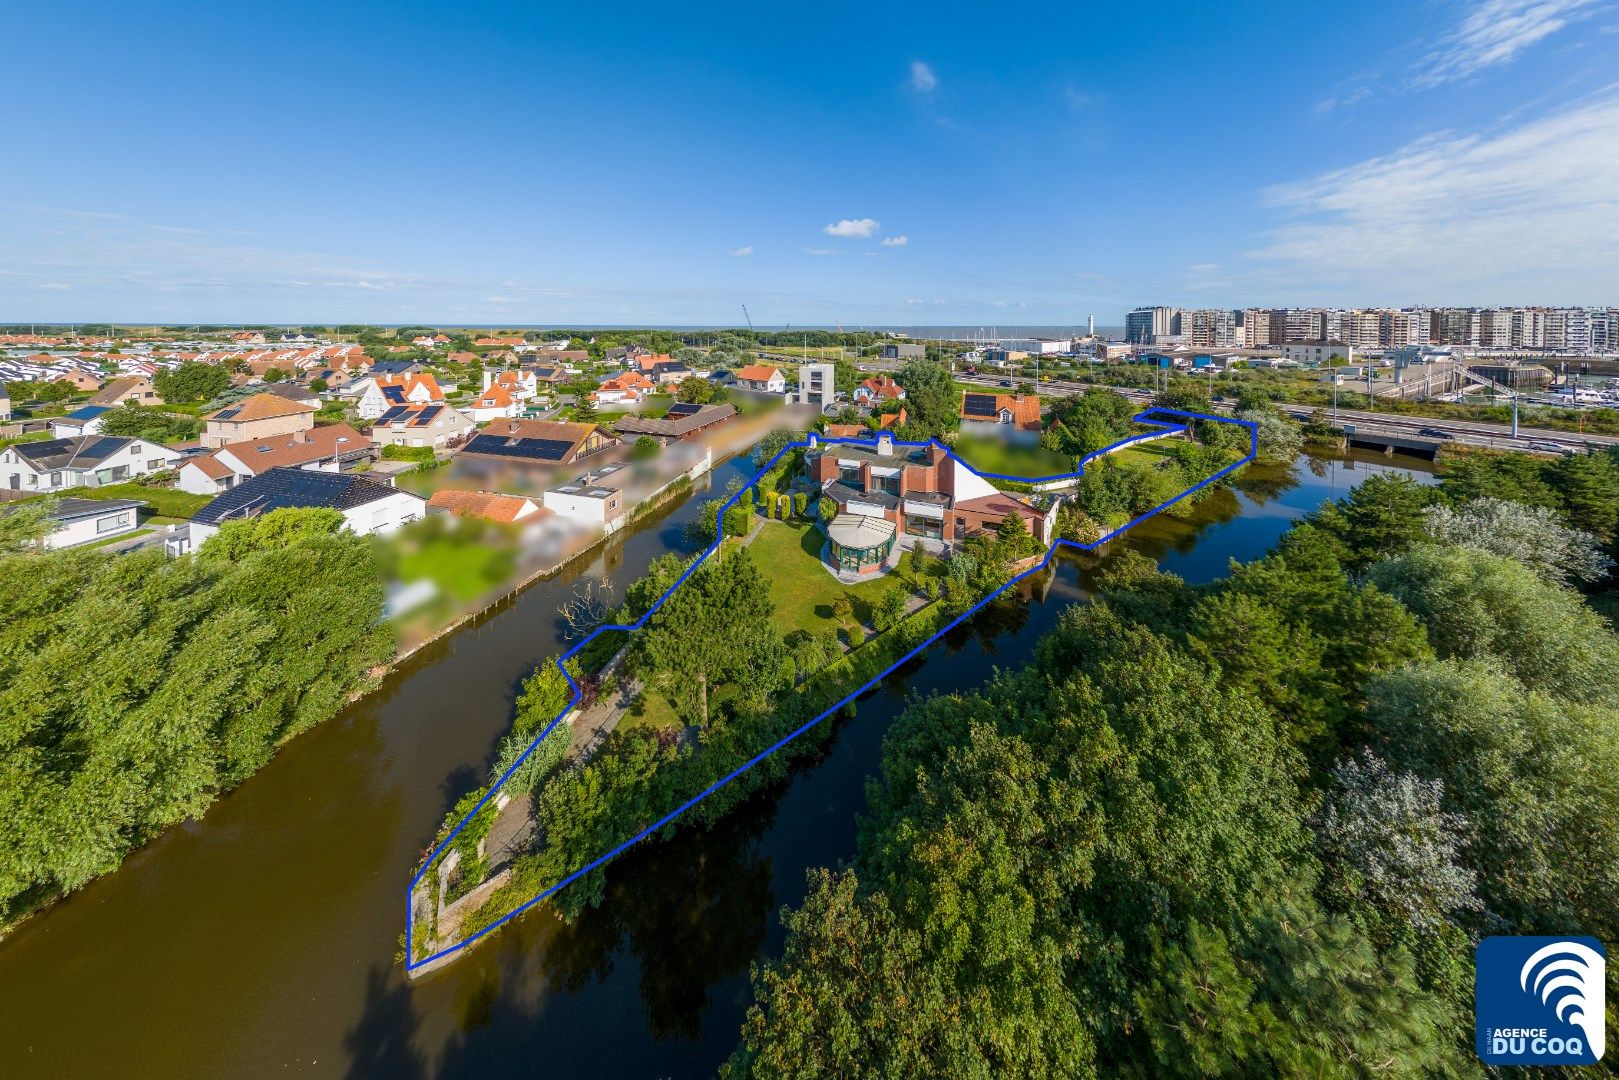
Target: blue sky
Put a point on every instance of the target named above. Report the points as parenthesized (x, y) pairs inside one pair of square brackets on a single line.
[(854, 164)]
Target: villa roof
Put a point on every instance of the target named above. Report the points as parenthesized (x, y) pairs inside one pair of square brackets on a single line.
[(758, 373)]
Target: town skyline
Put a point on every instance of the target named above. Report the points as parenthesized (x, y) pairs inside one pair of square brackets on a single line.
[(645, 177)]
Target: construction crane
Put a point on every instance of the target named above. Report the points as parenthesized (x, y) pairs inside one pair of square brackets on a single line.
[(746, 316)]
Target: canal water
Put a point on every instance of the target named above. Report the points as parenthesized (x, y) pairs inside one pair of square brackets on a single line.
[(261, 940)]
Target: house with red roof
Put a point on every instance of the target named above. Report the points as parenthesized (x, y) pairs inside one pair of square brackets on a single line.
[(761, 378), (878, 389), (1014, 417)]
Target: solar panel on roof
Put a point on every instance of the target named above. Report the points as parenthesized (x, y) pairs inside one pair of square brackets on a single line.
[(530, 449), (684, 409), (396, 413), (980, 405), (395, 394), (227, 414), (431, 411), (102, 447)]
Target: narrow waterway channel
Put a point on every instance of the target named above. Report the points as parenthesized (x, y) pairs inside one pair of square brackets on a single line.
[(260, 940)]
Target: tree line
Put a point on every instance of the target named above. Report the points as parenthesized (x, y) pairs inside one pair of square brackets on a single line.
[(135, 688)]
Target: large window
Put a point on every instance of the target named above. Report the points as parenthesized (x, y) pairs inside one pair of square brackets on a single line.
[(921, 526), (113, 522)]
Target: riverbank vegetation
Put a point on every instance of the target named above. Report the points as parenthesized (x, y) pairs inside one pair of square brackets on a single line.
[(1253, 827), (136, 688), (733, 671)]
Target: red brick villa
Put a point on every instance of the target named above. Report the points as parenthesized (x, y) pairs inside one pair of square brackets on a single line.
[(885, 490)]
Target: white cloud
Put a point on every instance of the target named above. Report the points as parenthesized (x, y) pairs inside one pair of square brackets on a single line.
[(860, 227), (1494, 32), (1530, 211), (746, 249), (894, 241), (923, 81)]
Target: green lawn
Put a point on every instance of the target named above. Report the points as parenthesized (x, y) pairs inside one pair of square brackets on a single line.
[(1144, 453), (802, 589), (650, 711), (990, 455)]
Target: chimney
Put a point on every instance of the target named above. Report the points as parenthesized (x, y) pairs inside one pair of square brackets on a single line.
[(488, 377), (885, 443), (814, 440)]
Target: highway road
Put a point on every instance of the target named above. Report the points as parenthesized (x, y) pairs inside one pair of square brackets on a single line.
[(1404, 427)]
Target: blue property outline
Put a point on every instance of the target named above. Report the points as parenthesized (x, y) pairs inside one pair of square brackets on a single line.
[(1140, 418)]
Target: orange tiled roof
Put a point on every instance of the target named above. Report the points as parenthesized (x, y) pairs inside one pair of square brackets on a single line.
[(261, 407), (496, 397), (484, 504), (757, 373)]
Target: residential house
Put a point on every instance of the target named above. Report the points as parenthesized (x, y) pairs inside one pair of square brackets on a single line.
[(397, 367), (762, 378), (86, 420), (1015, 417), (248, 337), (5, 405), (86, 521), (548, 375), (660, 368), (594, 500), (260, 416), (82, 461), (542, 442), (463, 358), (489, 505), (136, 389), (79, 380), (380, 393), (683, 421), (892, 420), (294, 392), (630, 388), (919, 491), (495, 403), (501, 342), (559, 358), (328, 447), (436, 425), (878, 390), (369, 507), (521, 384)]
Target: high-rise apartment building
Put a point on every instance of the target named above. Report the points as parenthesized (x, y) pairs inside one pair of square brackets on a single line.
[(1362, 329), (1208, 328), (1149, 325), (1262, 327), (1455, 326)]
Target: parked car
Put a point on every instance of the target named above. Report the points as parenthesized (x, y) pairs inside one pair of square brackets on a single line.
[(1435, 433), (1551, 448), (1006, 382)]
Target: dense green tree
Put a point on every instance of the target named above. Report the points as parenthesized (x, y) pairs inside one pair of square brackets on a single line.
[(1533, 536), (134, 688), (932, 405), (1480, 607), (24, 525), (192, 381), (1535, 780), (715, 628), (151, 423)]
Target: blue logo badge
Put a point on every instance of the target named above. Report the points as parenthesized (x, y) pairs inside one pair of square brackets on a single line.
[(1540, 1000)]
